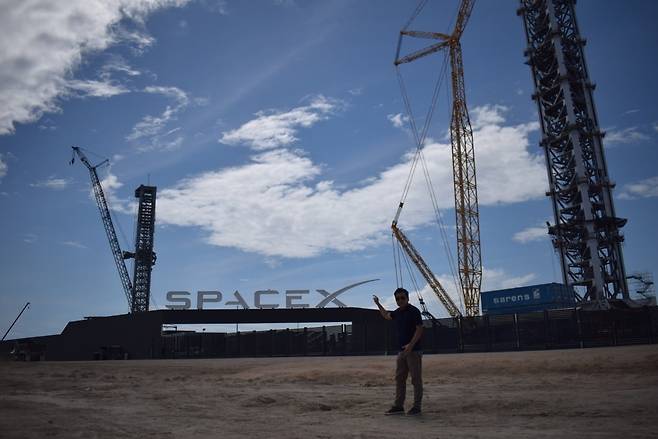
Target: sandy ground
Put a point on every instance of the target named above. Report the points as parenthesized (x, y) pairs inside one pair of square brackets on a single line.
[(605, 392)]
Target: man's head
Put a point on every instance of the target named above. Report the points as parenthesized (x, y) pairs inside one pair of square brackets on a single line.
[(401, 297)]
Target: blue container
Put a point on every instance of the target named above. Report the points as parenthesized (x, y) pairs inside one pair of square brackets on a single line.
[(527, 299)]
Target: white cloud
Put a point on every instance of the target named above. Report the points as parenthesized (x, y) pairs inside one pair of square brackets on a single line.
[(30, 238), (118, 64), (398, 120), (111, 184), (98, 89), (487, 115), (646, 188), (148, 132), (625, 136), (655, 126), (496, 279), (3, 167), (531, 234), (278, 204), (218, 6), (52, 183), (634, 110), (74, 244), (274, 129), (358, 91), (43, 42)]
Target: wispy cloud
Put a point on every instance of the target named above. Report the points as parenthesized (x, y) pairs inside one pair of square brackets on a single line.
[(281, 192), (531, 234), (97, 89), (655, 126), (625, 136), (358, 91), (30, 238), (634, 110), (74, 244), (148, 133), (274, 129), (44, 42), (117, 64), (398, 120), (218, 6), (52, 183), (646, 188)]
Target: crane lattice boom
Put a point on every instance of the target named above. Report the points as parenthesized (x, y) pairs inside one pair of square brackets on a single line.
[(463, 159), (107, 223), (424, 269)]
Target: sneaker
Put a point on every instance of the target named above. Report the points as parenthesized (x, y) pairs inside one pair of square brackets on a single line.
[(414, 411), (395, 411)]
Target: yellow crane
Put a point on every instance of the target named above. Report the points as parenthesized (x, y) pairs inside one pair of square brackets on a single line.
[(463, 163)]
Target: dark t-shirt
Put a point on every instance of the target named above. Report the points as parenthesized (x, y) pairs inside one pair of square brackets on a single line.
[(406, 320)]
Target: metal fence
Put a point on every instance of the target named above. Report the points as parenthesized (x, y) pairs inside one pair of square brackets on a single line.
[(550, 329)]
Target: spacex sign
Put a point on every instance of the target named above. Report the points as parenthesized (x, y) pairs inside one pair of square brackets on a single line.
[(262, 299)]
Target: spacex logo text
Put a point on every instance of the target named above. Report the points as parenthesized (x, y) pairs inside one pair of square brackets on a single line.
[(263, 299)]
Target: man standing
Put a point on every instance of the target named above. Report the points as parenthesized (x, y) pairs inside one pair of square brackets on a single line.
[(409, 324)]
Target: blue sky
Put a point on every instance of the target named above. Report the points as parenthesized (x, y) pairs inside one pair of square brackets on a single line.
[(275, 133)]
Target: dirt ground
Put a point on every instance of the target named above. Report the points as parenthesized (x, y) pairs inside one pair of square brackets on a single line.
[(604, 392)]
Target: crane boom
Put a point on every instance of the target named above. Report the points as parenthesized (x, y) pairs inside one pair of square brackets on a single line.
[(463, 158), (465, 184), (424, 269), (107, 223)]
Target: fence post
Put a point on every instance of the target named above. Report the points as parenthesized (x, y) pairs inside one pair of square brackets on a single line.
[(613, 317), (460, 326), (324, 340), (547, 330), (579, 328), (435, 337), (516, 331), (647, 310), (488, 328)]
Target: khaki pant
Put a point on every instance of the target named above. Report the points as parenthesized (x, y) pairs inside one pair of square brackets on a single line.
[(411, 363)]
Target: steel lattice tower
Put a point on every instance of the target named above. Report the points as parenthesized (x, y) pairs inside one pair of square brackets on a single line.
[(586, 230), (144, 255)]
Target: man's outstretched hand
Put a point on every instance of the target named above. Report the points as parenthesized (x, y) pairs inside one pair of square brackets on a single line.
[(375, 299)]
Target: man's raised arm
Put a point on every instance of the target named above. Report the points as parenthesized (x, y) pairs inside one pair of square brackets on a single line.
[(382, 311)]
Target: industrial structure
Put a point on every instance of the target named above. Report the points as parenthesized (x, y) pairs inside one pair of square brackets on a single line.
[(139, 290), (463, 164), (586, 233)]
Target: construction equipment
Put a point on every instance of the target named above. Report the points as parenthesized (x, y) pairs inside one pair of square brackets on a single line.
[(586, 232), (463, 161), (138, 294), (424, 269)]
